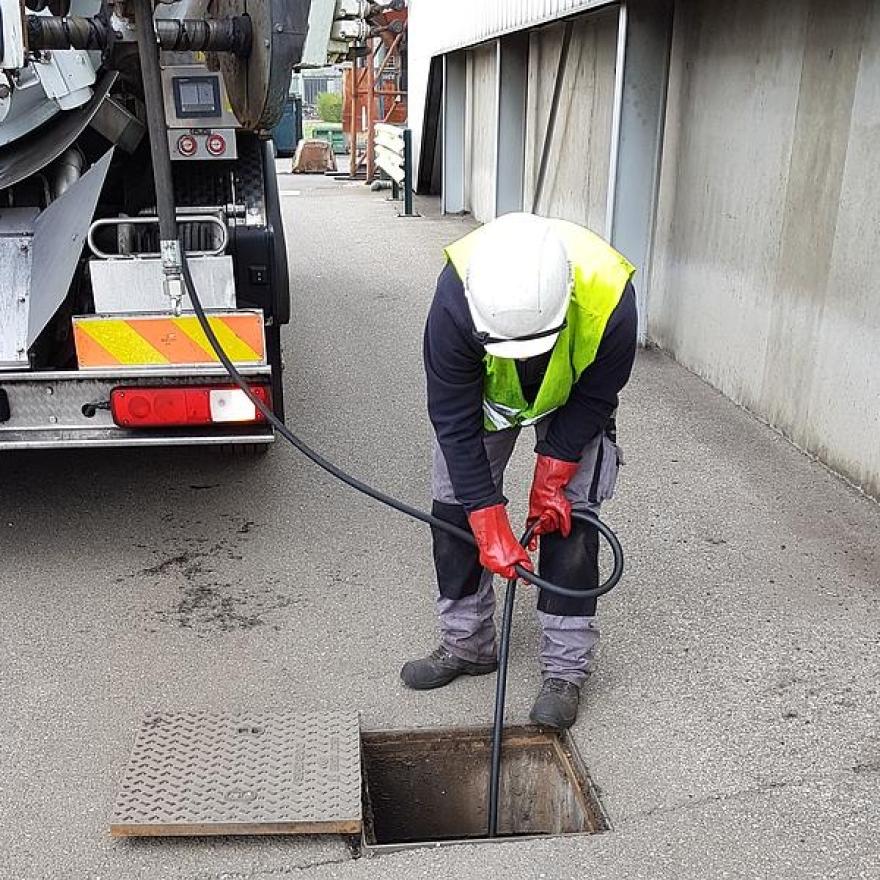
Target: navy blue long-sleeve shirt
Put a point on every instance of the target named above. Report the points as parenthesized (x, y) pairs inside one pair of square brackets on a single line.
[(455, 376)]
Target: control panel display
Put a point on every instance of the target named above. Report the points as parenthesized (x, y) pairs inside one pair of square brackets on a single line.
[(197, 97)]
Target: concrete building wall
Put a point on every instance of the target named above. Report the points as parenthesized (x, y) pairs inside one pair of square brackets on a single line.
[(435, 28), (480, 131), (762, 270), (576, 180), (766, 270)]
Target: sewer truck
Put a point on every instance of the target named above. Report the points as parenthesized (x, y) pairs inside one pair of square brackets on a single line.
[(98, 342)]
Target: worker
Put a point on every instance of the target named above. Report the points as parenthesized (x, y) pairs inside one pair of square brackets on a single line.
[(533, 322)]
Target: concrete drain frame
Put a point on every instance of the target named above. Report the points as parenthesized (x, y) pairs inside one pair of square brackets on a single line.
[(430, 787)]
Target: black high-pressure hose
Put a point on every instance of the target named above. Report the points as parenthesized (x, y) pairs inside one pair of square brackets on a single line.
[(501, 688)]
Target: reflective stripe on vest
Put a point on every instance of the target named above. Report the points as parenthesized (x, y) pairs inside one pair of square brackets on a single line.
[(600, 277)]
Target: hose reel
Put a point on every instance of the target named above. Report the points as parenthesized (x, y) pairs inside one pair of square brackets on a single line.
[(258, 84), (253, 43)]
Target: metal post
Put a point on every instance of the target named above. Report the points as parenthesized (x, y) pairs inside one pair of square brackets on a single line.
[(407, 174), (633, 188), (551, 118), (371, 110), (298, 118), (352, 158), (453, 111), (619, 68)]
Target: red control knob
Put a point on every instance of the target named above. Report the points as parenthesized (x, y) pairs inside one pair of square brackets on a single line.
[(187, 145), (216, 144)]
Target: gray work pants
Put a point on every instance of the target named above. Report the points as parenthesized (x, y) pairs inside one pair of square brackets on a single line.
[(467, 625)]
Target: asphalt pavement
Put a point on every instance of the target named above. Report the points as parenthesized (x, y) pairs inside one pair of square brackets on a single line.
[(732, 725)]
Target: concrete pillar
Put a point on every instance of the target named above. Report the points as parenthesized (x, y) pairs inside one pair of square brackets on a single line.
[(644, 41), (512, 80), (482, 130), (453, 192)]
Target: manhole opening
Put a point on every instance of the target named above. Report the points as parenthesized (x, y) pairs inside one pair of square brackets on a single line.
[(429, 787)]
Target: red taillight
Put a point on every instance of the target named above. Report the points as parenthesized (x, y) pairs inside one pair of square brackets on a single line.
[(178, 406)]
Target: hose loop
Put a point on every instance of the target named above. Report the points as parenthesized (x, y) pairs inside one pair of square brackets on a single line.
[(606, 586)]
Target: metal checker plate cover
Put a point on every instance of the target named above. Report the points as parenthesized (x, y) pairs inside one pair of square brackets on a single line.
[(195, 773)]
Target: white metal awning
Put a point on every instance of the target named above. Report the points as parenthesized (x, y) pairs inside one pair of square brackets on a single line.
[(435, 27)]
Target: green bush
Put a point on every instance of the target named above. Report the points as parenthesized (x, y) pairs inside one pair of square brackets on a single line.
[(330, 106)]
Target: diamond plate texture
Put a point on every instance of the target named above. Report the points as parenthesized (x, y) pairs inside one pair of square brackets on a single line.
[(249, 187), (194, 773), (55, 404), (202, 184)]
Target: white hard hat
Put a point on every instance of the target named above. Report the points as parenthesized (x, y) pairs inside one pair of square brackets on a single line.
[(518, 286)]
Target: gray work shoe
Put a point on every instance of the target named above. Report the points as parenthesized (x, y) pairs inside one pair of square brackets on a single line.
[(439, 668), (557, 704)]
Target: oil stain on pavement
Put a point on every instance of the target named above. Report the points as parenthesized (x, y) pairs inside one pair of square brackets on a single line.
[(201, 589)]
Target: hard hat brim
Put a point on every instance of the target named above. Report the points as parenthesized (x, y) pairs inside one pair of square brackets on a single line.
[(517, 349)]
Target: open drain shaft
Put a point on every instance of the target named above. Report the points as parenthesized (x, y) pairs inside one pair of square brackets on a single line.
[(429, 787), (200, 773)]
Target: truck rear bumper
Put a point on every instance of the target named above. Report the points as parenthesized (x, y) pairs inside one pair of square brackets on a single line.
[(68, 409)]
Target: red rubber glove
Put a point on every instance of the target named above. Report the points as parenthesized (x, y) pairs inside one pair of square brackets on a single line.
[(548, 506), (499, 549)]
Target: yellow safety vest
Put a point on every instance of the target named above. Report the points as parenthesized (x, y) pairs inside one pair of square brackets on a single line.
[(600, 277)]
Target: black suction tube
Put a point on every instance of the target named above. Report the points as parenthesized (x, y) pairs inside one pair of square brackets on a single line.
[(154, 101)]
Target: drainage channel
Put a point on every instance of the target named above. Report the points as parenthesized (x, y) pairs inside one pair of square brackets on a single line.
[(297, 772)]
